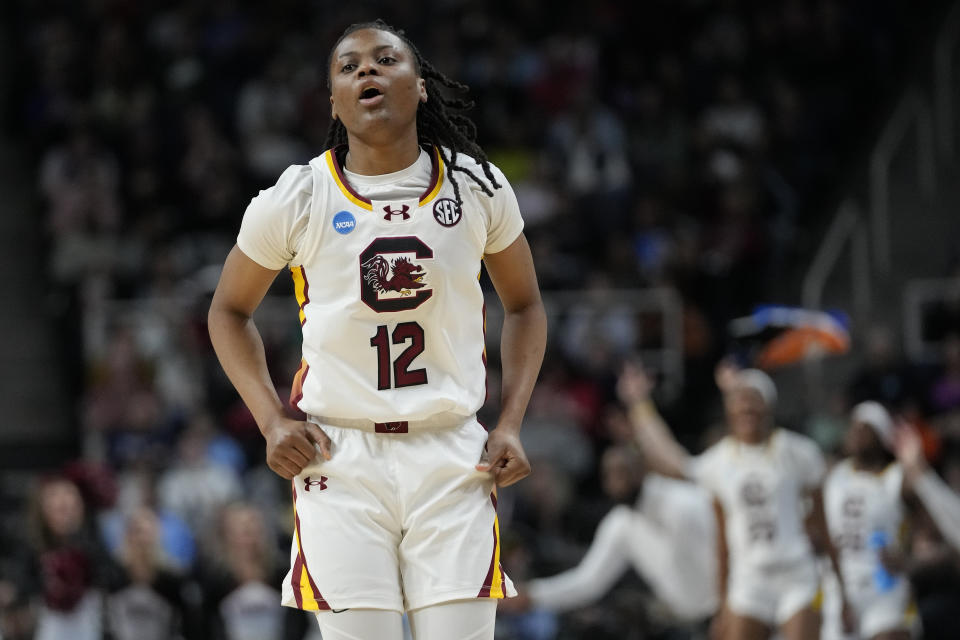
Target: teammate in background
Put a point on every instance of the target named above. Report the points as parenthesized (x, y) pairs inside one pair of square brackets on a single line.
[(864, 502), (384, 234), (663, 528), (760, 476)]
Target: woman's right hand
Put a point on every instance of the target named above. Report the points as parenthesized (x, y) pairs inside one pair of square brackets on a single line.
[(634, 385), (725, 373), (908, 447), (291, 445)]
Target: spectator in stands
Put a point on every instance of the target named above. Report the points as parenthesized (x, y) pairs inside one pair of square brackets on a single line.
[(197, 486), (884, 376), (80, 182), (149, 600), (70, 569), (239, 578), (137, 494), (945, 390), (733, 119), (122, 407), (267, 115)]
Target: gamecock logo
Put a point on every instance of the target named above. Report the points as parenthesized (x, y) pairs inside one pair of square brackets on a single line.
[(406, 275), (753, 492), (395, 284)]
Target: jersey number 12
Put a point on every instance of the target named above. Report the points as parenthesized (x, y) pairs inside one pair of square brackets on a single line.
[(403, 376)]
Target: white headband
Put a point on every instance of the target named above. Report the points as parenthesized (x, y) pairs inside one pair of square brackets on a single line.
[(759, 382), (873, 414)]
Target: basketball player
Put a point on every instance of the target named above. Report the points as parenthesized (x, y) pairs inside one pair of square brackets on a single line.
[(384, 233), (864, 502), (760, 477), (661, 527)]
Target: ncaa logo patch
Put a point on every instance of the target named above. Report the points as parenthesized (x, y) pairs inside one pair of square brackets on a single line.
[(446, 212), (344, 222)]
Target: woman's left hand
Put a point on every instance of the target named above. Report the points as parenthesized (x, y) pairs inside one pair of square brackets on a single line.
[(505, 458)]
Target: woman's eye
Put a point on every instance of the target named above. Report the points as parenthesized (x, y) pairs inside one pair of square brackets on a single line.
[(347, 68), (386, 60)]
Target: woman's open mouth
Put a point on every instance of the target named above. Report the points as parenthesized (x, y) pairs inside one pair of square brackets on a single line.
[(371, 96)]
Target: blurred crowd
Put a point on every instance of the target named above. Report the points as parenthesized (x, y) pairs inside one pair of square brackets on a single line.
[(669, 143)]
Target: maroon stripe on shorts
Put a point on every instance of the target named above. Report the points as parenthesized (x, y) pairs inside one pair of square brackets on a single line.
[(297, 572), (302, 563), (295, 579), (488, 581)]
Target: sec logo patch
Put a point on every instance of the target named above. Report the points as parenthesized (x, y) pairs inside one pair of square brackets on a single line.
[(446, 212), (344, 222)]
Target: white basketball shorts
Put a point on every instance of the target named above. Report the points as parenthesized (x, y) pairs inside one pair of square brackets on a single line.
[(396, 520), (876, 611), (774, 595)]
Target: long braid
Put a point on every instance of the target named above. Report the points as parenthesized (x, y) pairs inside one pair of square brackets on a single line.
[(439, 121)]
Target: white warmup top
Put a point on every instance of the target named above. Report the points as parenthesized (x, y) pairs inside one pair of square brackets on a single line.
[(669, 539), (761, 489), (386, 275), (860, 504)]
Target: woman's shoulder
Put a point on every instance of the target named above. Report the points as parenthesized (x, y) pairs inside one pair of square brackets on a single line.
[(295, 180), (793, 440)]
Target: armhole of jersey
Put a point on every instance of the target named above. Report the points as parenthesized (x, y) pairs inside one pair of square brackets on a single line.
[(830, 476), (894, 477), (699, 468), (313, 234), (479, 222)]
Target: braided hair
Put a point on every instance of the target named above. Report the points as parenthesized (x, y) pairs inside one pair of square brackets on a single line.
[(440, 122)]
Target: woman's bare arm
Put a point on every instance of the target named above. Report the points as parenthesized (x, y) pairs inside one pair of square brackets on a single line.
[(239, 347)]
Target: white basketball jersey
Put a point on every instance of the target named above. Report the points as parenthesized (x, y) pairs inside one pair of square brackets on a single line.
[(861, 504), (390, 303), (761, 489)]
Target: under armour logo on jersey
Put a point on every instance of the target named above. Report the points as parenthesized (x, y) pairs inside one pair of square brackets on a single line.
[(322, 483), (403, 211)]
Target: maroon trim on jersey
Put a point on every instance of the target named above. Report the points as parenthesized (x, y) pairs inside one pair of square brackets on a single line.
[(483, 356), (434, 173), (301, 563), (296, 391), (306, 295), (488, 581)]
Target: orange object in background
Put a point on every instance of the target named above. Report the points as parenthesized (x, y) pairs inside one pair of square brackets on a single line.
[(776, 336), (795, 345)]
